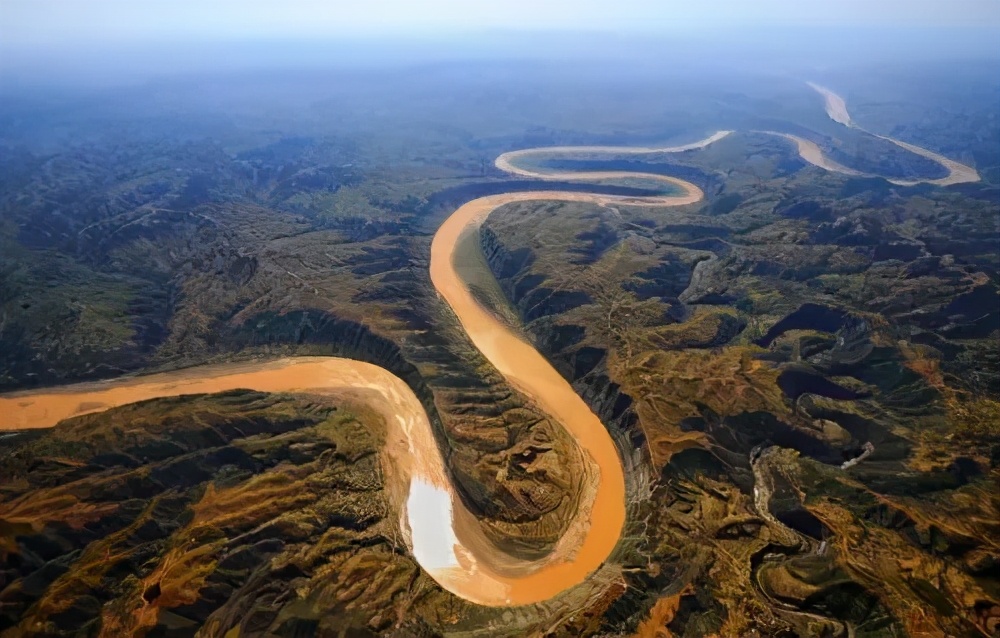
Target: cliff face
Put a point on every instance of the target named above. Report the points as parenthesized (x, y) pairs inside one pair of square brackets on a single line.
[(314, 328), (584, 367), (535, 302)]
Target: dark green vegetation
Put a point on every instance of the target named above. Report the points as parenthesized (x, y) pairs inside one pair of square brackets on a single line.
[(177, 223)]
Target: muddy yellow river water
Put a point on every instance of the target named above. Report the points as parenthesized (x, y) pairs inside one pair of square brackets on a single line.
[(444, 537)]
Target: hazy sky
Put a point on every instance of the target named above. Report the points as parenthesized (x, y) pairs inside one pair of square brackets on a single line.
[(55, 23)]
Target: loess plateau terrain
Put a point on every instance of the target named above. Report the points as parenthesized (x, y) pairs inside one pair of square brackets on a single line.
[(800, 371)]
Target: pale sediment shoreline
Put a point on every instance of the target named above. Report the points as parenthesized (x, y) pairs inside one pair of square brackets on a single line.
[(836, 108), (507, 161), (813, 154)]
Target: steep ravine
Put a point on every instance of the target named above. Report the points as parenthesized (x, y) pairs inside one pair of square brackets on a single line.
[(585, 368)]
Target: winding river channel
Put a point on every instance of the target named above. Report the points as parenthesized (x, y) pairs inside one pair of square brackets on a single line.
[(836, 108), (444, 537)]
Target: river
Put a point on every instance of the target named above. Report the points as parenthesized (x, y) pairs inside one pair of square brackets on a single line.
[(444, 537)]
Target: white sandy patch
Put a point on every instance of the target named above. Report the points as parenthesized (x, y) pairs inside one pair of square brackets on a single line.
[(428, 511), (836, 107)]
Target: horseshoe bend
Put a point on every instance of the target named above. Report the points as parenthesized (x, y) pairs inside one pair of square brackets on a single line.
[(347, 366), (443, 537)]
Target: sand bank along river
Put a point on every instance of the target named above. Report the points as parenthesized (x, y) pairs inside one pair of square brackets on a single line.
[(443, 535), (836, 108)]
